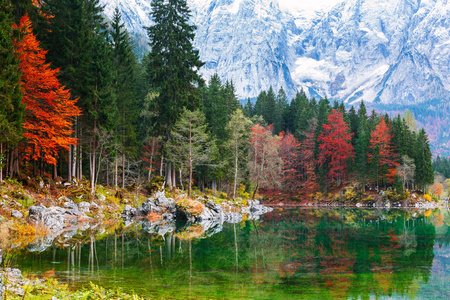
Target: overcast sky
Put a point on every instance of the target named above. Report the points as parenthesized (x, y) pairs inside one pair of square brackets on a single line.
[(307, 4)]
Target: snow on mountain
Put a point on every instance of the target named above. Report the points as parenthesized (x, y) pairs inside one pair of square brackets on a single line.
[(386, 51)]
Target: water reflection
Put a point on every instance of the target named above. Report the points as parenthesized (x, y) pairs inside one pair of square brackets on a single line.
[(305, 254)]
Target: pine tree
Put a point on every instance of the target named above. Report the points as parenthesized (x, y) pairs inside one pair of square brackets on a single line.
[(215, 108), (281, 107), (11, 107), (248, 109), (78, 44), (173, 63), (362, 145), (231, 101), (422, 159), (125, 77)]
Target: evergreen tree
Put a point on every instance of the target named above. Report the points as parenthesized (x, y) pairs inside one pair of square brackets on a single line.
[(281, 107), (79, 45), (215, 108), (125, 77), (231, 101), (261, 105), (248, 109), (11, 107), (424, 170), (270, 108), (173, 63), (362, 145)]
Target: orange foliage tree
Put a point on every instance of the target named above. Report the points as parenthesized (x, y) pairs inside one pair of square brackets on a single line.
[(381, 141), (437, 189), (49, 111)]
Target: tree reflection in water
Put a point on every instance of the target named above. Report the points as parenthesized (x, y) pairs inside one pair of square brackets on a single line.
[(307, 254)]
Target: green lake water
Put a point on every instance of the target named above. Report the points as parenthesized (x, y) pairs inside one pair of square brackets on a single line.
[(287, 254)]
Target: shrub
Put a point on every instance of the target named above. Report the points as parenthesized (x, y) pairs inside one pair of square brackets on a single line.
[(242, 193), (155, 184), (195, 207), (427, 197), (349, 194)]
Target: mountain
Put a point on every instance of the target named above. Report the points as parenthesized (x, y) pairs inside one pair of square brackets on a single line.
[(380, 51)]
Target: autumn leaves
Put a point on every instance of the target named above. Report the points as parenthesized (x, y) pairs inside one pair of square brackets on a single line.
[(49, 109)]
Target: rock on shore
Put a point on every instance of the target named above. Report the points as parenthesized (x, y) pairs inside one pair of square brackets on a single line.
[(57, 218), (159, 214)]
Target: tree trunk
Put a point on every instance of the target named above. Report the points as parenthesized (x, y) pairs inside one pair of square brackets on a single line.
[(1, 162), (161, 167), (115, 173), (55, 171), (69, 164), (190, 160), (123, 170), (168, 175), (181, 180), (235, 171), (174, 176)]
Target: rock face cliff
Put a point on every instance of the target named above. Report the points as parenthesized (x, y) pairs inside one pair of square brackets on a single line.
[(381, 51)]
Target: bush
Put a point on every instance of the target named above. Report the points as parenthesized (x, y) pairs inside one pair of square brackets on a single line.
[(155, 184), (427, 197), (242, 193), (349, 194)]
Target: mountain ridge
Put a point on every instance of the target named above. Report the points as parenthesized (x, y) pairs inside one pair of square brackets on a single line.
[(384, 51)]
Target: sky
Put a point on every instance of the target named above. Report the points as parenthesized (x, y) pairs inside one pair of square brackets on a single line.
[(307, 4)]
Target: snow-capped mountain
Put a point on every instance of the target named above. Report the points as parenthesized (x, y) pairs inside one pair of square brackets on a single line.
[(387, 51)]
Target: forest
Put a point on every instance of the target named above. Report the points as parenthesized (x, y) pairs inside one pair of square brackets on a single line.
[(77, 103)]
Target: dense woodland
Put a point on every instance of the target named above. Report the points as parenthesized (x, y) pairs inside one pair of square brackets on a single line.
[(76, 102)]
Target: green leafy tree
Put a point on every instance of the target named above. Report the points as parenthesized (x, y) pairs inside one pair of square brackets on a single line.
[(238, 130), (190, 144), (173, 63)]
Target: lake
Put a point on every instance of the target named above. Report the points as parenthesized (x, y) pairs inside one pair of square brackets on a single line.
[(287, 254)]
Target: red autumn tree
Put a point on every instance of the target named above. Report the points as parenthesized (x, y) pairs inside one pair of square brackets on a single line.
[(307, 157), (335, 146), (49, 111), (265, 163), (381, 141), (290, 155)]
